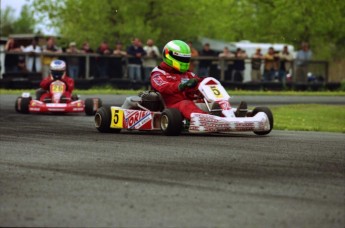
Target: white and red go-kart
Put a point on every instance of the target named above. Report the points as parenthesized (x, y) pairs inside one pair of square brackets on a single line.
[(148, 112), (25, 103)]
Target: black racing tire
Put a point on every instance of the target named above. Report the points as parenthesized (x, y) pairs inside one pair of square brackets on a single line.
[(102, 120), (22, 104), (16, 105), (90, 104), (171, 122), (269, 114)]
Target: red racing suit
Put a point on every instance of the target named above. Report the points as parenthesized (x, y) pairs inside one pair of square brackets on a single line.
[(45, 84), (166, 80)]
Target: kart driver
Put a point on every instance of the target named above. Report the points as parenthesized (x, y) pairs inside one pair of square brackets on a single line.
[(174, 81), (57, 72)]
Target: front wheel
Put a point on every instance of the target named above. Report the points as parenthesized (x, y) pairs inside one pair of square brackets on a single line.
[(171, 122), (103, 119), (269, 114), (22, 104), (92, 105)]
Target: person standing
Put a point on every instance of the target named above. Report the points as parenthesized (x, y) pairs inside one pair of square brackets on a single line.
[(256, 66), (150, 60), (226, 62), (118, 62), (303, 56), (49, 48), (205, 64), (33, 59), (135, 52), (285, 58), (239, 65), (73, 60), (102, 60), (270, 69), (11, 60)]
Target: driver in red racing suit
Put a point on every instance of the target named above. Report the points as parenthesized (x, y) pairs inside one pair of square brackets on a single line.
[(57, 72), (173, 80)]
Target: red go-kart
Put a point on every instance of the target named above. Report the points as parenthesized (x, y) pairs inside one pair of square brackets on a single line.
[(58, 103)]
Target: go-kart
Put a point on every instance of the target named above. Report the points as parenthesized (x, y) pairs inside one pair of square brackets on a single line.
[(147, 112), (57, 103)]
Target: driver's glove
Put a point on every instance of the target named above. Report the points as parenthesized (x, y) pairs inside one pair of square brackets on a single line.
[(191, 83)]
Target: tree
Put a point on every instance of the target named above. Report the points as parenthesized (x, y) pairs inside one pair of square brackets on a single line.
[(26, 23), (270, 21)]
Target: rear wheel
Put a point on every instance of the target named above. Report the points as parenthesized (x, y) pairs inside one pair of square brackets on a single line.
[(269, 114), (171, 122), (102, 120), (91, 105)]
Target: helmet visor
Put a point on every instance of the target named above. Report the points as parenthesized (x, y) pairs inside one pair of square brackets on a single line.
[(57, 74), (185, 58)]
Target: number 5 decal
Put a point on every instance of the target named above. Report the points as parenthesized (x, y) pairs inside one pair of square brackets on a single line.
[(216, 91), (116, 118)]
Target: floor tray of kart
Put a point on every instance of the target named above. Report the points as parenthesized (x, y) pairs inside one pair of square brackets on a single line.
[(147, 112)]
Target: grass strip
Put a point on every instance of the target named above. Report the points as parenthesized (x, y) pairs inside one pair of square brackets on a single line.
[(309, 117)]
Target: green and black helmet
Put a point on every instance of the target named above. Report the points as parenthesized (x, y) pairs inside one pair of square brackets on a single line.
[(177, 54)]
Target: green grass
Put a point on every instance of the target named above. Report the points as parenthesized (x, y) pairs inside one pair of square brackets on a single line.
[(311, 117)]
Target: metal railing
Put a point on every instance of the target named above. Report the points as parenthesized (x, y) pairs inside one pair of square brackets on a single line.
[(219, 66)]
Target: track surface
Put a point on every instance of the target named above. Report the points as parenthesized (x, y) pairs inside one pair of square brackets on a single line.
[(59, 171)]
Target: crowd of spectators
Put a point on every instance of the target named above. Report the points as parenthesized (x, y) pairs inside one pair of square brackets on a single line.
[(137, 61)]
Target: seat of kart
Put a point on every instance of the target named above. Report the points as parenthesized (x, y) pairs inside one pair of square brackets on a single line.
[(147, 100)]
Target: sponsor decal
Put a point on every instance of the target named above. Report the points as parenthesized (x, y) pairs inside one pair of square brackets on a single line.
[(158, 80), (136, 119), (171, 77), (78, 109), (225, 105), (56, 105), (244, 126)]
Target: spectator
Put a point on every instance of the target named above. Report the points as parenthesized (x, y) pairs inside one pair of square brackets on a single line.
[(194, 53), (50, 47), (270, 69), (11, 60), (102, 61), (303, 56), (33, 59), (86, 49), (118, 62), (150, 60), (239, 65), (73, 61), (285, 58), (256, 66), (205, 64), (226, 62), (136, 52)]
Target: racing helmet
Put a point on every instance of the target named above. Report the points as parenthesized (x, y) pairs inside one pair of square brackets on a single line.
[(177, 54), (57, 69)]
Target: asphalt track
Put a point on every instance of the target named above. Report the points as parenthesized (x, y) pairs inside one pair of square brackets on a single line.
[(57, 170)]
